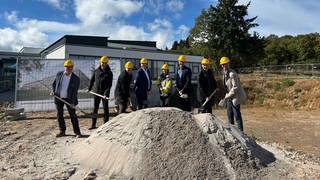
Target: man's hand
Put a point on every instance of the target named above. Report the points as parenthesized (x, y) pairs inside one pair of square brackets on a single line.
[(105, 97), (87, 90), (222, 103), (72, 106), (51, 93)]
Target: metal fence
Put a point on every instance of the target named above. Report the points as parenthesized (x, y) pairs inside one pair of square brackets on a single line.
[(284, 71), (35, 77)]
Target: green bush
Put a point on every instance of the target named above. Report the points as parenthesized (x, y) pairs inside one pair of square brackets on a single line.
[(283, 84), (287, 82)]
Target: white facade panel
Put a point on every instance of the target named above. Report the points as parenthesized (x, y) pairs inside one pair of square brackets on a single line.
[(59, 53)]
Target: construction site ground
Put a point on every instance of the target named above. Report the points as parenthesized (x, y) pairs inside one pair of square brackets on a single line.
[(296, 130), (292, 135)]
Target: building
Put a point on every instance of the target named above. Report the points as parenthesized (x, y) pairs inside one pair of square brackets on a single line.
[(86, 52), (93, 47)]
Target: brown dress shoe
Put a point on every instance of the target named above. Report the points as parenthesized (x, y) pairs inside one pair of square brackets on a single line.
[(60, 134), (92, 127)]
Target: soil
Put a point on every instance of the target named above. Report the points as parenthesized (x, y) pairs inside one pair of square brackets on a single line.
[(294, 130), (29, 149)]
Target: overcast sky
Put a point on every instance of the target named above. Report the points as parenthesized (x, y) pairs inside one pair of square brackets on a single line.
[(38, 23)]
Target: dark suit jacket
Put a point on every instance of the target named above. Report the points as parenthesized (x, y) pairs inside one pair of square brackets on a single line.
[(184, 83), (122, 91), (207, 83), (72, 88), (101, 81), (141, 83)]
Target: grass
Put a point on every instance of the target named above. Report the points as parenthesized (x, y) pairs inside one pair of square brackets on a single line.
[(282, 84), (252, 135)]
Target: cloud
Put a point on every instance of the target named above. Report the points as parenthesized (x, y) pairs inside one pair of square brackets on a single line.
[(47, 26), (11, 16), (160, 24), (15, 40), (153, 7), (161, 31), (285, 17), (128, 32), (58, 4), (175, 5), (183, 31), (94, 17), (94, 12)]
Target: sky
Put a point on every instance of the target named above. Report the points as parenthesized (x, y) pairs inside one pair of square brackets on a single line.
[(39, 23)]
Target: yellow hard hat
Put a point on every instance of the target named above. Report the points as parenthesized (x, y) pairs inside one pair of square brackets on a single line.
[(143, 61), (165, 67), (205, 61), (68, 63), (182, 58), (104, 59), (224, 60), (128, 65)]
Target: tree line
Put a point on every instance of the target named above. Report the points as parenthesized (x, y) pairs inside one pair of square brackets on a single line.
[(223, 30)]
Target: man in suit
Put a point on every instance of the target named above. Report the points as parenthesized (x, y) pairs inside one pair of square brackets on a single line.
[(207, 85), (122, 91), (142, 85), (183, 83), (100, 83), (235, 93), (65, 86)]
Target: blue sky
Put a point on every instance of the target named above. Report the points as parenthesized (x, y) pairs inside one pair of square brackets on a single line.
[(38, 23)]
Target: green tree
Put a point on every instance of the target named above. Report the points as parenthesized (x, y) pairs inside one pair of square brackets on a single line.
[(289, 49), (224, 29)]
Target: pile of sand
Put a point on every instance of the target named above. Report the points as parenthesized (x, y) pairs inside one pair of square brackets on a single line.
[(167, 143)]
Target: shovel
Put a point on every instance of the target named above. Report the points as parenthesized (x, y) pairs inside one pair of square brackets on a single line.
[(210, 97), (73, 107), (183, 96), (59, 98), (96, 94)]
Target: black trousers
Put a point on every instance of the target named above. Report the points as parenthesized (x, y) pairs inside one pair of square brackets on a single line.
[(185, 104), (165, 100), (105, 104), (123, 106), (73, 117), (141, 100)]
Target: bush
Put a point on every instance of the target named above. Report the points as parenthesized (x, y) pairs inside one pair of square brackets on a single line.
[(283, 84), (287, 82)]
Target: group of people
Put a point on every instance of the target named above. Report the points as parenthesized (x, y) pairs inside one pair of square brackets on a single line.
[(66, 84)]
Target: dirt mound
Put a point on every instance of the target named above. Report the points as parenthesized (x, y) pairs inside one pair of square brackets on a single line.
[(167, 143), (288, 93)]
